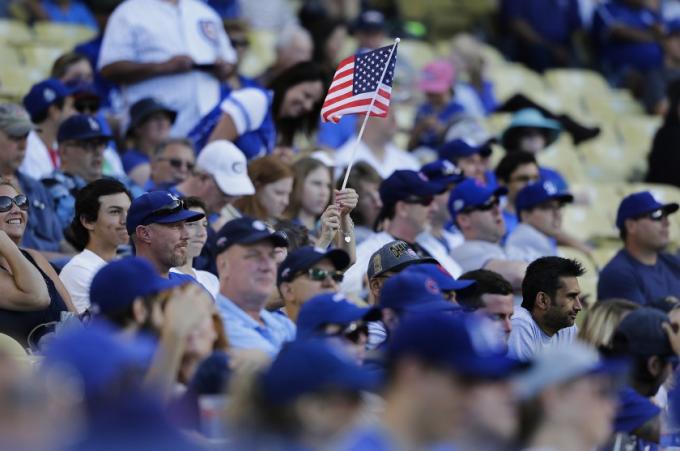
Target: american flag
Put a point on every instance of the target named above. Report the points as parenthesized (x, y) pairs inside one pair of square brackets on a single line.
[(355, 82)]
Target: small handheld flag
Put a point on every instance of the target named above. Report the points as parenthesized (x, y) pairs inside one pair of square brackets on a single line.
[(361, 84)]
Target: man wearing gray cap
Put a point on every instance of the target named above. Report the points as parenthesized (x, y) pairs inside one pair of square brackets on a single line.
[(43, 231)]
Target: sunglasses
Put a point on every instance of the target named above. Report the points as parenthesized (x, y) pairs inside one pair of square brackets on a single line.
[(319, 275), (424, 201), (656, 215), (353, 331), (240, 43), (86, 106), (177, 163), (175, 206), (486, 206), (20, 201)]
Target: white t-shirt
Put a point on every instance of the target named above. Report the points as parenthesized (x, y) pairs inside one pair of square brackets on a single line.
[(527, 339), (394, 158), (37, 162), (153, 31), (209, 280), (77, 276)]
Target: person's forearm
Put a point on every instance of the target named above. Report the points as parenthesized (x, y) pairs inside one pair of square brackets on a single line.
[(127, 72), (162, 374), (522, 28), (565, 239), (625, 33), (27, 278), (341, 241)]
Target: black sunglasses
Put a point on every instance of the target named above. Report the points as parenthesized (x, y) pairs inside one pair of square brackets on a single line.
[(87, 106), (20, 201), (656, 215), (353, 331), (177, 163), (424, 201), (486, 206), (319, 275)]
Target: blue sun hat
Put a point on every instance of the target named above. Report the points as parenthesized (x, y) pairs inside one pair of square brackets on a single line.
[(530, 118)]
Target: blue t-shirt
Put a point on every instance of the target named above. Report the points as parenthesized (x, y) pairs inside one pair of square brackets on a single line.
[(76, 14), (621, 54), (334, 135), (43, 229), (627, 278), (133, 158), (430, 138), (511, 222), (553, 20)]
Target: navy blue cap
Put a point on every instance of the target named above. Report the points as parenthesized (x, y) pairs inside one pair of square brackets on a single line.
[(643, 334), (638, 204), (44, 94), (330, 308), (394, 257), (414, 292), (460, 148), (116, 285), (445, 280), (406, 184), (212, 375), (471, 193), (537, 193), (98, 357), (81, 127), (468, 345), (443, 171), (303, 258), (673, 26), (143, 108), (158, 207), (370, 20), (312, 366), (246, 230)]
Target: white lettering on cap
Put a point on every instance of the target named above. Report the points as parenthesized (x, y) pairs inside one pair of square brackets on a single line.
[(238, 167), (49, 95), (458, 204), (259, 225), (337, 297), (94, 125), (549, 188)]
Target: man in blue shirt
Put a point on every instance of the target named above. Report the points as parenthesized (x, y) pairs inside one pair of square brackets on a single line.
[(247, 270), (156, 224), (642, 272)]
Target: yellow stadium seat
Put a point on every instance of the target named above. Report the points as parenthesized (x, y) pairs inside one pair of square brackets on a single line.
[(15, 81), (65, 36), (588, 281), (14, 32), (41, 58), (417, 53), (261, 53), (515, 78)]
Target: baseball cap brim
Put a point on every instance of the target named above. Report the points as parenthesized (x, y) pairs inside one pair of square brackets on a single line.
[(453, 284), (276, 239), (89, 135), (19, 127), (496, 367), (161, 284), (234, 185), (401, 266), (182, 215), (431, 307)]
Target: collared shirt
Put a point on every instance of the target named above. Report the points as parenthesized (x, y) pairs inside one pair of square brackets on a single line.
[(627, 278), (43, 230), (526, 243), (244, 332), (527, 338), (189, 28)]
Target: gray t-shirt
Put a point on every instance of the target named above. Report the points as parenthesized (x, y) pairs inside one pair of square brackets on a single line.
[(527, 339), (474, 254), (526, 243)]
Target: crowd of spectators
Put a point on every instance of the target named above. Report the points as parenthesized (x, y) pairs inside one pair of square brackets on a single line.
[(185, 269)]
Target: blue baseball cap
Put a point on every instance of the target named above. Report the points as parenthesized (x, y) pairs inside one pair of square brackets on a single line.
[(468, 345), (98, 357), (246, 230), (672, 26), (405, 185), (331, 308), (638, 204), (116, 285), (537, 193), (44, 94), (460, 148), (443, 171), (642, 333), (158, 207), (312, 366), (81, 127), (445, 280), (303, 258), (470, 194), (370, 20), (414, 292)]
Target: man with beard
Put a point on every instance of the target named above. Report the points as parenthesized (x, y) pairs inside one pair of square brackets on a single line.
[(156, 223), (550, 303)]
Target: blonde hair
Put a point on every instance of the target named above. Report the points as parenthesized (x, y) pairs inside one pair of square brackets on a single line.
[(602, 319)]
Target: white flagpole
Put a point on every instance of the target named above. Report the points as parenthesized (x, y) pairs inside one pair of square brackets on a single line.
[(370, 107)]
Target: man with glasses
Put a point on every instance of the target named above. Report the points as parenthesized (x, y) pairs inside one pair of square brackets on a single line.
[(156, 223), (476, 211), (539, 207), (172, 163), (515, 171), (642, 272), (408, 207), (43, 230), (307, 272), (81, 150), (246, 264), (49, 104)]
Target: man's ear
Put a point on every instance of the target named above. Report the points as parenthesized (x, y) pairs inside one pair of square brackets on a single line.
[(655, 365), (143, 234), (139, 311), (89, 225), (542, 300), (286, 290)]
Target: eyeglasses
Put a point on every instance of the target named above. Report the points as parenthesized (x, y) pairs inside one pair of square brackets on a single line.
[(177, 163), (319, 275), (424, 201), (525, 179), (87, 106), (486, 206), (6, 202), (656, 215)]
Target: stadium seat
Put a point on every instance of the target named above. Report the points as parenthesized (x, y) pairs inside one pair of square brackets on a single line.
[(62, 35), (15, 81), (260, 54), (41, 58), (588, 281), (14, 32), (418, 53), (515, 78)]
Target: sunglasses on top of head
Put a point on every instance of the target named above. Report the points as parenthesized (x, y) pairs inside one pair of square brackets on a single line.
[(173, 207), (6, 202)]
